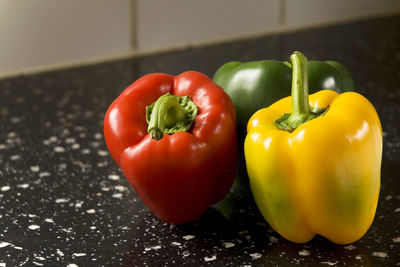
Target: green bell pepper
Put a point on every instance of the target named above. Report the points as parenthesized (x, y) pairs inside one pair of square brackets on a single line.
[(258, 84)]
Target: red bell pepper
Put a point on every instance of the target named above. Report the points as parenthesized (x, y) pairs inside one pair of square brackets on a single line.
[(183, 157)]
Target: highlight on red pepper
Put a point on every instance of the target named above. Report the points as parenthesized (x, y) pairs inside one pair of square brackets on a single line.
[(174, 138)]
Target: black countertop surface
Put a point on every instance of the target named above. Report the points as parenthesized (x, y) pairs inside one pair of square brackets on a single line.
[(64, 202)]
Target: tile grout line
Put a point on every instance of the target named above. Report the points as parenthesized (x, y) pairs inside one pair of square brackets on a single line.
[(282, 12), (134, 25)]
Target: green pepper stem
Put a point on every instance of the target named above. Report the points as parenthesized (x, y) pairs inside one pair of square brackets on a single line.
[(170, 114), (300, 106)]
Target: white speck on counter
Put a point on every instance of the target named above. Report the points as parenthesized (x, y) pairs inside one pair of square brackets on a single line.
[(82, 165), (69, 140), (62, 166), (34, 168), (273, 239), (188, 237), (72, 265), (93, 227), (40, 258), (397, 210), (5, 188), (44, 174), (350, 247), (62, 200), (59, 149), (23, 186), (2, 146), (95, 144), (15, 120), (33, 227), (53, 139), (185, 253), (49, 220), (212, 258), (304, 252), (78, 204), (15, 157), (229, 244), (330, 263), (37, 263), (98, 136), (2, 264), (397, 239), (175, 244), (60, 253), (79, 128), (255, 256), (243, 232), (91, 211), (113, 177), (152, 248), (4, 244), (101, 164), (358, 257), (75, 146), (120, 188), (117, 195), (85, 151), (389, 197), (379, 254), (78, 255), (102, 153)]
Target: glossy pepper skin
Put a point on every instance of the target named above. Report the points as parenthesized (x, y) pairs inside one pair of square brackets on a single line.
[(180, 175), (323, 177), (257, 84)]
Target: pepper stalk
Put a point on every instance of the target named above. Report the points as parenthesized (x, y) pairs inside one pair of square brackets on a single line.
[(301, 111), (170, 114)]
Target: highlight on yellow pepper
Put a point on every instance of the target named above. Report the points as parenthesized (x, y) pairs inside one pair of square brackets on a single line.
[(314, 162)]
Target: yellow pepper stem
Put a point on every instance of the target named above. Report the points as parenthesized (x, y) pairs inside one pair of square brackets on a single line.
[(299, 85), (301, 111)]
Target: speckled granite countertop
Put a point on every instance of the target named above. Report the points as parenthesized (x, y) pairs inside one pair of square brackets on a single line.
[(63, 201)]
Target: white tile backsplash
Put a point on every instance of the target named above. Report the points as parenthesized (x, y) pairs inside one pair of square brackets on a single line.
[(39, 33), (172, 23), (45, 32), (311, 12)]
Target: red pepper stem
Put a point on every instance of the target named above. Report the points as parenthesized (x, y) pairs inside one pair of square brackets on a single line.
[(170, 114)]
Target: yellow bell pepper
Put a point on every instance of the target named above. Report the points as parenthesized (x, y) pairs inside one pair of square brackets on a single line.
[(316, 169)]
